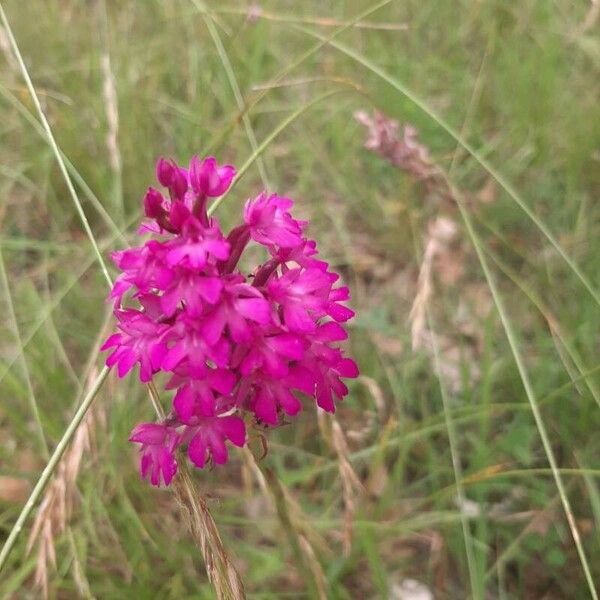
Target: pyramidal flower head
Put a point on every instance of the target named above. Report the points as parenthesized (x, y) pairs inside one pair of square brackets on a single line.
[(237, 348)]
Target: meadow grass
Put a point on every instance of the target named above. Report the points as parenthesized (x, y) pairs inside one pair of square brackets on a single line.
[(461, 492)]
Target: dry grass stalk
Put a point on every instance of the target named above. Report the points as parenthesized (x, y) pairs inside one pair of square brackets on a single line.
[(57, 505), (351, 484), (377, 395), (288, 515), (352, 487), (314, 566), (5, 48), (590, 18), (442, 233), (255, 11), (403, 151), (442, 254), (301, 536), (299, 520), (109, 94), (219, 567)]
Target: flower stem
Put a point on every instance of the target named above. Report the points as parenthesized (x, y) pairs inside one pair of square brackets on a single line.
[(219, 567)]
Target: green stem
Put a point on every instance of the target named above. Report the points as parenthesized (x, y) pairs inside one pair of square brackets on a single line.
[(52, 463), (235, 88), (52, 142), (265, 143), (477, 156)]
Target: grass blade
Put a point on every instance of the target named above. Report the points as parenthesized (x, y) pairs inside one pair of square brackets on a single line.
[(93, 199), (267, 141), (30, 393), (502, 181), (324, 40), (235, 88), (51, 465), (53, 144), (531, 397), (491, 283)]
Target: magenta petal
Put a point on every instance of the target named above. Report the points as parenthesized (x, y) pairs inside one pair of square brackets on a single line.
[(145, 462), (155, 475), (169, 301), (174, 356), (178, 214), (113, 340), (226, 175), (285, 238), (339, 388), (218, 450), (331, 332), (265, 409), (205, 401), (145, 372), (300, 378), (196, 172), (176, 255), (218, 248), (325, 399), (157, 354), (347, 368), (257, 309), (339, 294), (234, 429), (290, 404), (183, 403), (126, 363), (221, 380), (148, 433), (168, 465), (163, 171), (238, 327), (251, 361), (274, 365), (153, 203), (197, 450), (287, 345), (121, 285), (208, 179), (297, 319), (220, 353), (209, 288), (172, 177), (213, 325), (113, 358), (339, 312)]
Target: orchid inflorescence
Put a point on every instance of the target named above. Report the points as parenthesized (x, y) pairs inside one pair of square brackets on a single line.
[(234, 346)]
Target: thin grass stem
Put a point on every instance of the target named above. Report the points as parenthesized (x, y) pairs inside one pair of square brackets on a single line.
[(51, 465), (313, 50), (441, 122), (235, 88), (30, 393), (531, 396), (53, 144), (454, 452), (267, 141), (93, 199)]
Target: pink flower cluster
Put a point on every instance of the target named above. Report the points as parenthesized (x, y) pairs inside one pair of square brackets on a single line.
[(233, 345)]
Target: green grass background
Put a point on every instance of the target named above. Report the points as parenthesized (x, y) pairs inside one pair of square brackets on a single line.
[(521, 80)]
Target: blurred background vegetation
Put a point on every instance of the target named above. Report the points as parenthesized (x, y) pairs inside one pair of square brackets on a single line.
[(457, 497)]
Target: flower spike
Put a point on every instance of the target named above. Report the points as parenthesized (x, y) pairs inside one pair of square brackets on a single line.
[(237, 348)]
